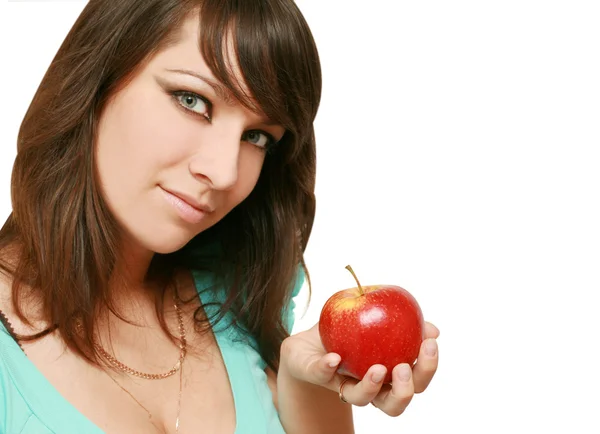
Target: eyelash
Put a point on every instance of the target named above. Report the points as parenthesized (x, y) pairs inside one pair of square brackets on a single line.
[(271, 142)]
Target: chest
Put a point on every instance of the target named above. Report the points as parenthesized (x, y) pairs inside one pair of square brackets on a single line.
[(200, 393)]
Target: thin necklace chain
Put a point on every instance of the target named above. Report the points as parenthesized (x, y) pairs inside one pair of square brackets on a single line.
[(182, 353), (148, 411), (178, 367)]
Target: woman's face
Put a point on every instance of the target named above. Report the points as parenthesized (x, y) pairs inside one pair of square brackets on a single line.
[(174, 153)]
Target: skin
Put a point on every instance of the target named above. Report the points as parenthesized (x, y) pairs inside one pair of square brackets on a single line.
[(306, 360), (176, 129), (160, 133), (155, 135), (165, 130)]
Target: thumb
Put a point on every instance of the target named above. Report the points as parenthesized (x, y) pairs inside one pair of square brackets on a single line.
[(322, 370)]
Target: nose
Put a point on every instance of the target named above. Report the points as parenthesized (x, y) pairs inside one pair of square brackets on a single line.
[(217, 158)]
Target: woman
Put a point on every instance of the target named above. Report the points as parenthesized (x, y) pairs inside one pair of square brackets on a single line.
[(163, 196)]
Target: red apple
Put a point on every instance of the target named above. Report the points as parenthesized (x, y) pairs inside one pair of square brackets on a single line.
[(369, 325)]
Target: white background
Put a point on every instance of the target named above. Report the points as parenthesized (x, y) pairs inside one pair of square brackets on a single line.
[(458, 158)]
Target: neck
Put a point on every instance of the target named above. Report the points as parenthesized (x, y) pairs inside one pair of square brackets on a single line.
[(132, 296)]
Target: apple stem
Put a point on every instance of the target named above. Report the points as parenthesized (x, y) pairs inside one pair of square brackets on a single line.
[(360, 288)]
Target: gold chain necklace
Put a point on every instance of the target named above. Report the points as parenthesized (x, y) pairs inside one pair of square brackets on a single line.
[(178, 366)]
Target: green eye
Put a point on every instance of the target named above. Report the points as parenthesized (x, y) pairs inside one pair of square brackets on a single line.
[(194, 103), (257, 138)]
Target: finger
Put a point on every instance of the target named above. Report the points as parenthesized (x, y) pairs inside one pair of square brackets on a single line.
[(426, 366), (431, 331), (322, 369), (394, 401), (363, 392)]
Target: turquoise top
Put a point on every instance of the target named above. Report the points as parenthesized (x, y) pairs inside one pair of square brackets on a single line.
[(29, 404)]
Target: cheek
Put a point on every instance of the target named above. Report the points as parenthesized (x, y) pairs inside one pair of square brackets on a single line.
[(140, 134)]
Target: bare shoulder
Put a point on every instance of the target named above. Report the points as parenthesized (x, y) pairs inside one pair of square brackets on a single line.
[(5, 292), (7, 308), (7, 258), (6, 305)]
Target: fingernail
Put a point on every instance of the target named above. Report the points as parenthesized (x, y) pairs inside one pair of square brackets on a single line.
[(377, 376), (404, 373), (431, 347), (334, 363)]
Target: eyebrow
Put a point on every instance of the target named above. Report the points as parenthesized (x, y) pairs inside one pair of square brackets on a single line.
[(221, 91)]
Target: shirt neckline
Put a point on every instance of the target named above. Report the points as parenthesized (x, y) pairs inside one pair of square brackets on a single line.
[(53, 409)]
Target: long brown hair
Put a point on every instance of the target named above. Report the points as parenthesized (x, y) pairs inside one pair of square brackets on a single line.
[(66, 238)]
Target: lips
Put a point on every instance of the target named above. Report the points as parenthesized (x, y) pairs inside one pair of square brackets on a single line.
[(191, 201), (188, 209)]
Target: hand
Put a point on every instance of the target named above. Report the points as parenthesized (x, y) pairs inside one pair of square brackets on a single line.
[(306, 360)]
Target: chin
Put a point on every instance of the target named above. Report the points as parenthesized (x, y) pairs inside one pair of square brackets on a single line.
[(167, 247), (163, 241), (172, 239), (164, 236)]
